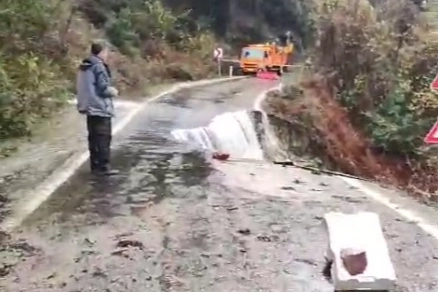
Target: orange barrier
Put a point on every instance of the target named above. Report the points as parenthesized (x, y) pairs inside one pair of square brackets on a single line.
[(267, 75)]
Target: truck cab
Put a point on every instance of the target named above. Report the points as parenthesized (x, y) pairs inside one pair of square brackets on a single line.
[(267, 57), (253, 58)]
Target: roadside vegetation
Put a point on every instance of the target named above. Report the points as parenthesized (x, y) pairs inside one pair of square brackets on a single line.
[(366, 103), (155, 41), (41, 43)]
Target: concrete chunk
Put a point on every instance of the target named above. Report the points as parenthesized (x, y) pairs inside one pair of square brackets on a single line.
[(358, 252)]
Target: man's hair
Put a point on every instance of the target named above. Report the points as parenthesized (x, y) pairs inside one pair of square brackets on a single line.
[(97, 47)]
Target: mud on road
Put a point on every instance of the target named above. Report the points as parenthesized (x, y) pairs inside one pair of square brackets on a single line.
[(175, 220)]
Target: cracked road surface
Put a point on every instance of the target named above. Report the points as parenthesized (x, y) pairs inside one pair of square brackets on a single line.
[(175, 220)]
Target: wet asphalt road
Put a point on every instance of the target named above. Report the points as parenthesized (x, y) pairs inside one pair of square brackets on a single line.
[(53, 143), (174, 220)]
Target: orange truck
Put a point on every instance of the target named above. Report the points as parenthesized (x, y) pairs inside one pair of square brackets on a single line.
[(265, 57)]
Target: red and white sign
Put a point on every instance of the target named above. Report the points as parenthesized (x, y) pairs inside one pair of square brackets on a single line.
[(434, 84), (431, 137), (218, 53)]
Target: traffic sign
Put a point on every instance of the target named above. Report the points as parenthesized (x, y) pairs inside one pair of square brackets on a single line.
[(431, 137), (218, 53), (434, 84)]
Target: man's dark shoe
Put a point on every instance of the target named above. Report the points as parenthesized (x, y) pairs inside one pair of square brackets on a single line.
[(105, 172), (109, 172)]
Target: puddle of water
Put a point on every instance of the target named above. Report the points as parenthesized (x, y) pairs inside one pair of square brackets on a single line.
[(153, 167)]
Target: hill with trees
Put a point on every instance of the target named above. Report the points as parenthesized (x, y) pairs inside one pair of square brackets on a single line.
[(366, 104), (42, 41)]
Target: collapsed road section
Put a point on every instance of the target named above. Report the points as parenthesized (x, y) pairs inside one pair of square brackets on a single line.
[(177, 220)]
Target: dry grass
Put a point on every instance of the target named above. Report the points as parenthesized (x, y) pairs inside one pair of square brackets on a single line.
[(134, 75)]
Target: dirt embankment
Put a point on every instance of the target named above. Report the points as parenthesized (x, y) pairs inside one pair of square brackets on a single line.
[(311, 122)]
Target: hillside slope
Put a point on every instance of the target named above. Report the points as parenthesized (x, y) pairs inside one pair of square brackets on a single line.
[(41, 43), (367, 105)]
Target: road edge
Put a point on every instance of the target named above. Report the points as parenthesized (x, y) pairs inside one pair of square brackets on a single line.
[(385, 200), (62, 174)]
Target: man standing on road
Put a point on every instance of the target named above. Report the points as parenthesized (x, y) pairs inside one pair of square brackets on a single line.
[(95, 100)]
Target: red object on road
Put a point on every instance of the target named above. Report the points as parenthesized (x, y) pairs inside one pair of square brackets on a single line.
[(354, 262), (267, 75), (431, 137), (434, 84), (220, 156)]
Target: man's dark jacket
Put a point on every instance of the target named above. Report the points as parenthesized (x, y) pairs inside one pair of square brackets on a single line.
[(93, 88)]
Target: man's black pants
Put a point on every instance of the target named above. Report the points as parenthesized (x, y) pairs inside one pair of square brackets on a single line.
[(99, 142)]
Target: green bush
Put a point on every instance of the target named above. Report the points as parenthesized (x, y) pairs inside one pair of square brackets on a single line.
[(394, 127), (143, 27), (31, 86), (30, 89)]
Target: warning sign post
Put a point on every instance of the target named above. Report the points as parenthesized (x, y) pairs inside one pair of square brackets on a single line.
[(431, 137), (434, 84), (218, 56)]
